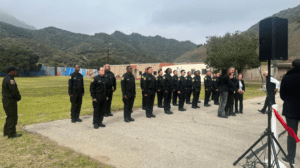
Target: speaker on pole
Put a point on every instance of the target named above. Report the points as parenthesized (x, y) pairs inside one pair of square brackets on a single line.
[(273, 39)]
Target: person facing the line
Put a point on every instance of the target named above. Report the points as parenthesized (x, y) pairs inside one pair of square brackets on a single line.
[(76, 91), (289, 93), (223, 88), (239, 96)]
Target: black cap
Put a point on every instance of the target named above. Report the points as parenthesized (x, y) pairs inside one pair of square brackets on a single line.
[(128, 67), (10, 68), (296, 63), (182, 70), (166, 71)]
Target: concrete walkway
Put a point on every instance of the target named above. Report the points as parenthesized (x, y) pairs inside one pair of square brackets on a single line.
[(195, 138)]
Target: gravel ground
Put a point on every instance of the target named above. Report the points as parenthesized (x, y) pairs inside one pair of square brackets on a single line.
[(195, 138)]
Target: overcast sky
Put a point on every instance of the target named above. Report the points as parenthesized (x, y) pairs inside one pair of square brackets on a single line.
[(182, 20)]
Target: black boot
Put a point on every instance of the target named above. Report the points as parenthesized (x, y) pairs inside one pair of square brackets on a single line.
[(14, 135)]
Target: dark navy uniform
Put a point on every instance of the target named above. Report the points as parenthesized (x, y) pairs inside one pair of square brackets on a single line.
[(189, 85), (150, 89), (175, 89), (208, 85), (182, 88), (128, 89), (99, 91), (111, 87), (10, 97), (213, 90), (76, 88), (196, 90), (217, 94), (143, 91), (160, 91), (167, 84)]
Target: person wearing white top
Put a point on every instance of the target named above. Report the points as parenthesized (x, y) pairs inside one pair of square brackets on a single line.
[(274, 86), (239, 96)]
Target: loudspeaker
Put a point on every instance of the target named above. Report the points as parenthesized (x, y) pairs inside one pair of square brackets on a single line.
[(273, 39)]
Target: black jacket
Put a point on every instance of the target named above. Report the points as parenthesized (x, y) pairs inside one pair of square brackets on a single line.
[(76, 83), (232, 89), (215, 83), (208, 82), (10, 88), (128, 85), (142, 80), (149, 84), (159, 83), (189, 82), (197, 83), (98, 88), (167, 82), (182, 84), (175, 79), (290, 93), (111, 80), (225, 83)]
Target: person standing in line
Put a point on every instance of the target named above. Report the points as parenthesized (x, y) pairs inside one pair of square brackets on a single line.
[(182, 90), (274, 86), (99, 93), (189, 85), (216, 85), (10, 97), (150, 89), (111, 88), (76, 91), (289, 93), (239, 96), (167, 85), (128, 92), (196, 89), (174, 87), (160, 91), (143, 91), (208, 86), (200, 78), (213, 90)]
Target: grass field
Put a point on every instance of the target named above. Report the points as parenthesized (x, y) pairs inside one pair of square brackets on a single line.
[(46, 99)]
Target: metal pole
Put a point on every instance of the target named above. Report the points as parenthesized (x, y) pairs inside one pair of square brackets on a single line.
[(269, 115)]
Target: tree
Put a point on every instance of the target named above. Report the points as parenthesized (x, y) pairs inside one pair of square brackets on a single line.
[(24, 60), (238, 50)]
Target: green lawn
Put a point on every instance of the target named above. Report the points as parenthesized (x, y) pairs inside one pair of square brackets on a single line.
[(46, 99)]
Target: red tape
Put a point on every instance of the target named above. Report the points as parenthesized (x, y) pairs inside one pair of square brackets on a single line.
[(290, 130)]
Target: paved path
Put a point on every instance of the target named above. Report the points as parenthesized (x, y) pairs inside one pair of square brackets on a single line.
[(193, 139)]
